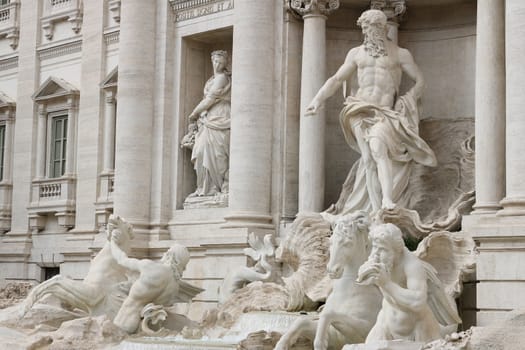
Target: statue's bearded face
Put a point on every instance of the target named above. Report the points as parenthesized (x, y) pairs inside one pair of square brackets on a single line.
[(374, 39), (383, 254)]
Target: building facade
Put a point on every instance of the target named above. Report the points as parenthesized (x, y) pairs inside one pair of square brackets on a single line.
[(95, 97)]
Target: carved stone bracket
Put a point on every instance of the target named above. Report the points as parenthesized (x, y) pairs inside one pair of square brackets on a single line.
[(59, 10), (114, 9), (393, 9), (312, 7), (9, 23)]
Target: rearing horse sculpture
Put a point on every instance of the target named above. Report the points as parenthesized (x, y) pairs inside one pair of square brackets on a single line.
[(351, 309)]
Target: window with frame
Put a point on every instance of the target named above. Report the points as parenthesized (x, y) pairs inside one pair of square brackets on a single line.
[(2, 150), (58, 144), (4, 2)]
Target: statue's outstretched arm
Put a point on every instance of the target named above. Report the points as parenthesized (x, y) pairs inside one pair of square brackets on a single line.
[(329, 88), (122, 259)]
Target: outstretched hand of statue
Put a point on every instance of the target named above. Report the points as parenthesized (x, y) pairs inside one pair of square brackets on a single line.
[(312, 108)]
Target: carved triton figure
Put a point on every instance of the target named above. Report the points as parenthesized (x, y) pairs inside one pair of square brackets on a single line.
[(414, 300), (378, 123)]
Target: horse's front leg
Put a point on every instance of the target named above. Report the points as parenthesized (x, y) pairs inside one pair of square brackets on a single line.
[(302, 327), (321, 335)]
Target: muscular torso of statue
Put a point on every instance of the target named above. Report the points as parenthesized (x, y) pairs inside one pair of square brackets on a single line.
[(378, 77)]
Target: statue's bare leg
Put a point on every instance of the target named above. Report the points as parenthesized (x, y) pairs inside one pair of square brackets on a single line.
[(303, 327), (372, 182), (384, 171)]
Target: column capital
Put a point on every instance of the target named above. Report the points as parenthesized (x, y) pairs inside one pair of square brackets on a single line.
[(313, 7), (42, 110), (393, 9)]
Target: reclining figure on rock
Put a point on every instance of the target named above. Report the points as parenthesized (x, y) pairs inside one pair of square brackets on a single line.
[(104, 278), (414, 300), (351, 308)]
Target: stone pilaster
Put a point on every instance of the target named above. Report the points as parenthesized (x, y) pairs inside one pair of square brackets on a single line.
[(135, 112), (252, 108), (394, 11), (514, 202), (109, 132), (41, 142), (490, 106), (72, 114), (312, 128)]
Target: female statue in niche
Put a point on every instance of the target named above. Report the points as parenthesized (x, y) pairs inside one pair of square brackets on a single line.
[(209, 132)]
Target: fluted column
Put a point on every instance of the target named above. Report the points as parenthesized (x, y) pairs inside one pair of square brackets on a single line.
[(514, 202), (109, 132), (252, 113), (41, 142), (135, 111), (312, 128), (490, 106)]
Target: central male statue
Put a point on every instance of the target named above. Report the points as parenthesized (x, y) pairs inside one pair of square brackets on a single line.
[(376, 122)]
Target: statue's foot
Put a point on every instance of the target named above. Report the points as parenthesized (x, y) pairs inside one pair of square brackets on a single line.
[(388, 204)]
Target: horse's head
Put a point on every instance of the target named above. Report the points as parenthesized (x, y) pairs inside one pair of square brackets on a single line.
[(349, 240), (115, 222)]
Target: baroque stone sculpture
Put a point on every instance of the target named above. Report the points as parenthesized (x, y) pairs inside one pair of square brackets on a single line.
[(265, 269), (414, 300), (377, 123), (158, 283), (351, 308), (99, 292), (132, 293), (209, 137)]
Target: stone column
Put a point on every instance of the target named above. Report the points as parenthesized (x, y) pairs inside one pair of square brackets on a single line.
[(312, 128), (41, 143), (514, 202), (135, 112), (109, 133), (72, 112), (490, 106), (252, 109)]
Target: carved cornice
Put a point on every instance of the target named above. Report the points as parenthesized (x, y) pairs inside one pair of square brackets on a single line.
[(393, 9), (188, 9), (9, 63), (112, 37), (59, 50), (313, 7)]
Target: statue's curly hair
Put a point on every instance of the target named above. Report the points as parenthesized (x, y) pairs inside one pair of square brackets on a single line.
[(372, 17)]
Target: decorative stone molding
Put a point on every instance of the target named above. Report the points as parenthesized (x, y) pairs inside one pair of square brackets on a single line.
[(112, 37), (9, 63), (393, 9), (188, 9), (312, 7), (59, 50), (9, 23), (114, 9), (61, 10)]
